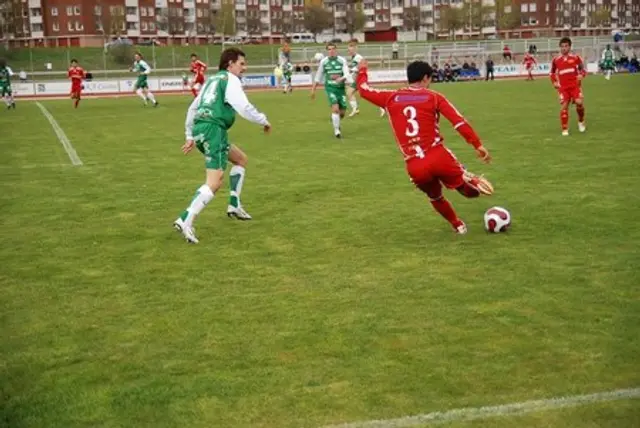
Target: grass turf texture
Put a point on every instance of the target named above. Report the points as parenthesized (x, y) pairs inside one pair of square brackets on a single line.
[(347, 298)]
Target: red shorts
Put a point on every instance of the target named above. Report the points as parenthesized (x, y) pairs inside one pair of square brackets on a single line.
[(76, 88), (438, 166), (528, 66), (568, 95), (199, 79)]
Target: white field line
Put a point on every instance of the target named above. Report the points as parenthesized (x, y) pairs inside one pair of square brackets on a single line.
[(471, 413), (68, 147)]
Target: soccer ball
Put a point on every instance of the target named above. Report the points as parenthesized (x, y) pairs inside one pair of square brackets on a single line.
[(318, 57), (497, 219)]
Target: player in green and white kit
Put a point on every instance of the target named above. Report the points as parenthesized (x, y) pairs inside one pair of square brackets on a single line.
[(608, 62), (335, 70), (354, 64), (209, 117), (287, 71), (141, 86), (5, 84)]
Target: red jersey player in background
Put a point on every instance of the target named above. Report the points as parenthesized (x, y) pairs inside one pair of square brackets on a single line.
[(76, 74), (197, 68), (414, 112), (529, 61), (567, 72)]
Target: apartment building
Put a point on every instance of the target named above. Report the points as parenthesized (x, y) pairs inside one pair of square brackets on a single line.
[(88, 22)]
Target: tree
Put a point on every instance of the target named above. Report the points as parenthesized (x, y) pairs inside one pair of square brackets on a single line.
[(11, 21), (317, 19), (354, 17), (508, 15), (412, 19), (225, 19), (175, 22), (599, 17), (476, 15), (451, 20), (253, 22)]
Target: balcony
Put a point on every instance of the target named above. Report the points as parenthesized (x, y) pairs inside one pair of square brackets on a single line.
[(189, 4), (429, 20), (488, 2), (265, 20), (614, 14), (583, 13), (287, 7), (488, 30), (131, 3), (369, 12), (35, 19), (427, 7), (628, 14), (133, 32), (397, 9), (35, 3), (370, 24), (242, 6), (264, 6), (397, 22), (340, 14), (190, 18), (37, 34), (132, 17)]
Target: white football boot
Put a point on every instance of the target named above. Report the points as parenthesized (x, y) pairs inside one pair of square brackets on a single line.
[(582, 127), (189, 233), (237, 213), (461, 229), (565, 133)]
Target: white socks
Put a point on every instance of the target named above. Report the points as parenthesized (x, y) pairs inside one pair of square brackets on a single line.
[(236, 180), (354, 104), (151, 97), (203, 196), (335, 120), (141, 94)]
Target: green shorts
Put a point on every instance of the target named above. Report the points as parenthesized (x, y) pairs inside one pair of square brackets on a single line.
[(5, 89), (608, 65), (213, 142), (141, 83), (353, 85), (337, 96)]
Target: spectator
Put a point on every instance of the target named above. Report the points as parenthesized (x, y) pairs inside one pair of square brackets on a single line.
[(394, 50), (22, 76), (506, 53), (634, 62), (489, 64), (448, 73), (88, 76)]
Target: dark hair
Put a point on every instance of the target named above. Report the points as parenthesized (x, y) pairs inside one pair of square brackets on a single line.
[(418, 70), (229, 55), (331, 44), (139, 54), (565, 40), (74, 60), (194, 54)]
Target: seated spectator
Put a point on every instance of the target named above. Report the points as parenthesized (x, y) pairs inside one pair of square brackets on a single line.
[(88, 76), (465, 66), (449, 75), (634, 64)]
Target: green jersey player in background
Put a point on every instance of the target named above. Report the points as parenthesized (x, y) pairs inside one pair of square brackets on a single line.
[(354, 64), (287, 72), (5, 84), (209, 118), (335, 70), (608, 62), (141, 86)]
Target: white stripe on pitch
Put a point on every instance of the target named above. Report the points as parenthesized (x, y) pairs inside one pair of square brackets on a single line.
[(471, 413), (75, 159)]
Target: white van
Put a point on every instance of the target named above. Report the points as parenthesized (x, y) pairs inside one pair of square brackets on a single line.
[(302, 38)]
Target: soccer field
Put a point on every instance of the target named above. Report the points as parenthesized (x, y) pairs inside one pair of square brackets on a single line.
[(347, 298)]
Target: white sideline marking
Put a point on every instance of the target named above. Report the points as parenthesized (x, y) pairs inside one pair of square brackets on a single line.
[(75, 159), (471, 413)]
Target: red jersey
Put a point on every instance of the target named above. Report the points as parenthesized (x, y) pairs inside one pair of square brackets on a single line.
[(414, 114), (566, 69), (198, 67), (529, 60), (76, 74)]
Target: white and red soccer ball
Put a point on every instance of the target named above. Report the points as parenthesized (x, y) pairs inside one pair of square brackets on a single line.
[(497, 219)]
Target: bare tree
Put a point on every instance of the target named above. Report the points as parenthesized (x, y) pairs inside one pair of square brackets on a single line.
[(317, 19), (599, 17), (413, 19), (175, 22), (253, 23), (355, 18), (508, 15), (451, 20), (225, 20), (11, 19)]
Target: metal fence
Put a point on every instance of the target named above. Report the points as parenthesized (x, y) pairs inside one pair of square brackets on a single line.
[(52, 63)]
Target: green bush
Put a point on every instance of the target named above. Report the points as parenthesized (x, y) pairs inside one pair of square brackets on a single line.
[(121, 54)]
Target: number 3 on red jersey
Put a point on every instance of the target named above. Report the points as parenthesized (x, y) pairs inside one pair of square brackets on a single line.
[(413, 128)]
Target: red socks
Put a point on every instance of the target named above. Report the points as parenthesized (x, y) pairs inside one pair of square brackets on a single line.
[(446, 210), (564, 118), (580, 111), (194, 92)]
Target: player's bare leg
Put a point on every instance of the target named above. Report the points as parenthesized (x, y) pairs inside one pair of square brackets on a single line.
[(149, 96), (236, 179), (204, 195), (564, 118), (336, 115), (382, 112), (195, 88), (353, 102), (580, 110)]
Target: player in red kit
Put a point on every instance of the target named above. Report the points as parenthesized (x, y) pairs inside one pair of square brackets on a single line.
[(567, 72), (76, 74), (529, 61), (414, 112), (197, 68)]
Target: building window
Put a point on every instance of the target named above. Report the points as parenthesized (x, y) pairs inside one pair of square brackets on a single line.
[(69, 10), (144, 25), (76, 11), (507, 9), (36, 27), (79, 26), (532, 7), (152, 26), (143, 11), (54, 11), (524, 7), (132, 11), (70, 26), (55, 27), (97, 10)]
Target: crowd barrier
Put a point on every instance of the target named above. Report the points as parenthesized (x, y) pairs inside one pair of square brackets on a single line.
[(175, 84)]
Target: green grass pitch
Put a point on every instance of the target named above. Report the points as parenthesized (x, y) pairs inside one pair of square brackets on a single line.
[(346, 298)]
